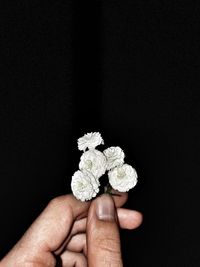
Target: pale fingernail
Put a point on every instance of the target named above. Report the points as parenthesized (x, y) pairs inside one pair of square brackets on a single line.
[(105, 208)]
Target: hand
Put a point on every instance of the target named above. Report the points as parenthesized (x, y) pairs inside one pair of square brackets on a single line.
[(74, 233)]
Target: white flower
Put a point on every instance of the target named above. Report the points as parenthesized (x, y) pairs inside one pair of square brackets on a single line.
[(115, 156), (84, 185), (93, 161), (123, 178), (90, 140)]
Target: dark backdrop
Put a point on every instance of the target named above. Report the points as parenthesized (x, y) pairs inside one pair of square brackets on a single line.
[(129, 69)]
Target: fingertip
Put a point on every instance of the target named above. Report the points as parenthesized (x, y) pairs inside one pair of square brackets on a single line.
[(138, 218), (129, 219)]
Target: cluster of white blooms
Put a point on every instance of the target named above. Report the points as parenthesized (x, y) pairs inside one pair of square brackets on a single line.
[(94, 163)]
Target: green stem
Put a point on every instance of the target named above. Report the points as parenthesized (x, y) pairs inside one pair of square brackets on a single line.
[(108, 190)]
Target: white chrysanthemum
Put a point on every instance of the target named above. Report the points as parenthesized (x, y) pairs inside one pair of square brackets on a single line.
[(115, 156), (90, 140), (93, 161), (123, 178), (84, 185)]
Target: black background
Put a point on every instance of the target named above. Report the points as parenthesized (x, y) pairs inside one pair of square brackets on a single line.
[(129, 69)]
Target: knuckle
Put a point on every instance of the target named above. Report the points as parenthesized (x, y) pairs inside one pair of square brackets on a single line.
[(110, 250), (56, 201), (109, 245)]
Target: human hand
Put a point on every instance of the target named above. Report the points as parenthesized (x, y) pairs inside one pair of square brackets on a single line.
[(74, 233)]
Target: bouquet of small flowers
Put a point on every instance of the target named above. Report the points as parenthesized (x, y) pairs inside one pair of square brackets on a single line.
[(93, 165)]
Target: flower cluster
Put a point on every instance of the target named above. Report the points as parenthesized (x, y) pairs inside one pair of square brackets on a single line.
[(94, 163)]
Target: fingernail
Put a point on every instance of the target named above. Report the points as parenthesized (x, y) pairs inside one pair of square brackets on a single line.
[(105, 208)]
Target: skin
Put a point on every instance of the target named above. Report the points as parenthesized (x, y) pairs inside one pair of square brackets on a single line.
[(70, 233)]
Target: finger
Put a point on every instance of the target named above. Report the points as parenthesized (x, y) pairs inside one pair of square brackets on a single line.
[(103, 241), (129, 219), (73, 209), (53, 225), (78, 227), (119, 198), (78, 244), (72, 259)]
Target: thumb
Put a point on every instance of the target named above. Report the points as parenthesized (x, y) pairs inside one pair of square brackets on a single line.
[(103, 240)]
